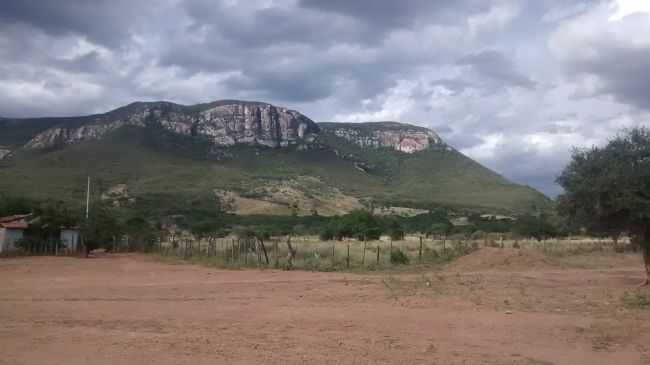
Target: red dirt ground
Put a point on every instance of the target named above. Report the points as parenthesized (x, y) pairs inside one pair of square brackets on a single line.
[(131, 309)]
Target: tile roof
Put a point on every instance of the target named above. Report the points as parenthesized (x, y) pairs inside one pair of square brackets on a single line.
[(14, 217), (17, 221), (14, 225)]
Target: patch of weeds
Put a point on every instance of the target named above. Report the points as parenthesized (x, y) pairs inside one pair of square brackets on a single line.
[(637, 300), (397, 287), (397, 257)]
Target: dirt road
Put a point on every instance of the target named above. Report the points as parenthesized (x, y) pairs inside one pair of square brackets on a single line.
[(130, 309)]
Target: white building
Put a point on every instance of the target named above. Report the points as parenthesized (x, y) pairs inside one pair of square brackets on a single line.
[(12, 229), (70, 238)]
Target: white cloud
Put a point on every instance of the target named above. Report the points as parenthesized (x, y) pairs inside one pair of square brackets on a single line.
[(628, 7), (499, 15), (514, 84)]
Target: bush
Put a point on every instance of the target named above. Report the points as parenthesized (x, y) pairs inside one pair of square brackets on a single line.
[(478, 235), (396, 234), (327, 234), (397, 257)]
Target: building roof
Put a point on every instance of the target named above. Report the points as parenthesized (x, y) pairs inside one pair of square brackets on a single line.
[(17, 221), (15, 217), (14, 225)]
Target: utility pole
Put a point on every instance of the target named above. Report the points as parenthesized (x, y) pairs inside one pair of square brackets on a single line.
[(88, 199)]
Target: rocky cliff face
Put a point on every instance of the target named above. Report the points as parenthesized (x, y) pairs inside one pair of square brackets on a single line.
[(225, 123), (261, 124), (401, 137)]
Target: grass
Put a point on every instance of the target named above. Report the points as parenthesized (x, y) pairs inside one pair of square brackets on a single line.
[(315, 255), (637, 300)]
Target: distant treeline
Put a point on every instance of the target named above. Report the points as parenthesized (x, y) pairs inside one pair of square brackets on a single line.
[(152, 218)]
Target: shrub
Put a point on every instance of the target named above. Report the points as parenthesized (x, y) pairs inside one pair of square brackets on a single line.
[(397, 257), (477, 235), (637, 300), (327, 234), (396, 234)]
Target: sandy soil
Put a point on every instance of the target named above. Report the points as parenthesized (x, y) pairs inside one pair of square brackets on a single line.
[(130, 309)]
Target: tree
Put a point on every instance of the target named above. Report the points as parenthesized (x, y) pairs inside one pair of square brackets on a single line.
[(536, 226), (141, 234), (363, 224), (14, 205), (395, 230), (100, 228), (441, 229), (609, 188), (51, 216)]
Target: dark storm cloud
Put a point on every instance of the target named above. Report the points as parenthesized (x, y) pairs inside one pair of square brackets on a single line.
[(250, 27), (614, 51), (388, 14), (471, 69), (302, 87), (86, 63), (622, 70), (103, 21), (497, 67)]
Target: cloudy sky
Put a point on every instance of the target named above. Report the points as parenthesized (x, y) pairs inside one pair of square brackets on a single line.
[(511, 83)]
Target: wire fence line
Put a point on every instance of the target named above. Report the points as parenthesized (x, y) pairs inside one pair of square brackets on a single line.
[(312, 254)]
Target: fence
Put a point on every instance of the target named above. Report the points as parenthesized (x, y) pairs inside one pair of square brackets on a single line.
[(312, 254), (50, 248)]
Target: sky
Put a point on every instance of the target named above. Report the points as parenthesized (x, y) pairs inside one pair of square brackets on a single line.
[(514, 84)]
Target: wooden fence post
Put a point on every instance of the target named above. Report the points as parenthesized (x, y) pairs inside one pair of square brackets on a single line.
[(347, 260), (378, 250), (444, 247), (363, 255), (420, 253), (277, 256)]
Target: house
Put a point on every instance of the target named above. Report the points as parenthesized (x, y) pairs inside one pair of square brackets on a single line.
[(12, 229), (70, 238)]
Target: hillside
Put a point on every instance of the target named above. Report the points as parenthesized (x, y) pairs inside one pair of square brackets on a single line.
[(253, 158)]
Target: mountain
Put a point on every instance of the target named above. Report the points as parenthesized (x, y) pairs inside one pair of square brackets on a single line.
[(251, 157)]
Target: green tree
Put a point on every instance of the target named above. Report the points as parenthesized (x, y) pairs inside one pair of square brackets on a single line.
[(363, 224), (10, 205), (609, 188), (100, 228), (536, 226), (395, 229), (141, 234), (50, 217), (441, 229)]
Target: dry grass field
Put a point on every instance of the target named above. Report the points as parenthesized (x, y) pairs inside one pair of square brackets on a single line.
[(494, 306)]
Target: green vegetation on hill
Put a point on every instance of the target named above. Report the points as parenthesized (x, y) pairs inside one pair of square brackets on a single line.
[(436, 177), (165, 172)]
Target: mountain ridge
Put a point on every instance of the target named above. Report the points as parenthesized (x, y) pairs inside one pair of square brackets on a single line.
[(240, 148)]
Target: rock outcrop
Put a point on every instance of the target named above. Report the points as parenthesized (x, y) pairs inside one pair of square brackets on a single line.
[(118, 195), (231, 122), (4, 152), (224, 123), (60, 136), (401, 137)]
